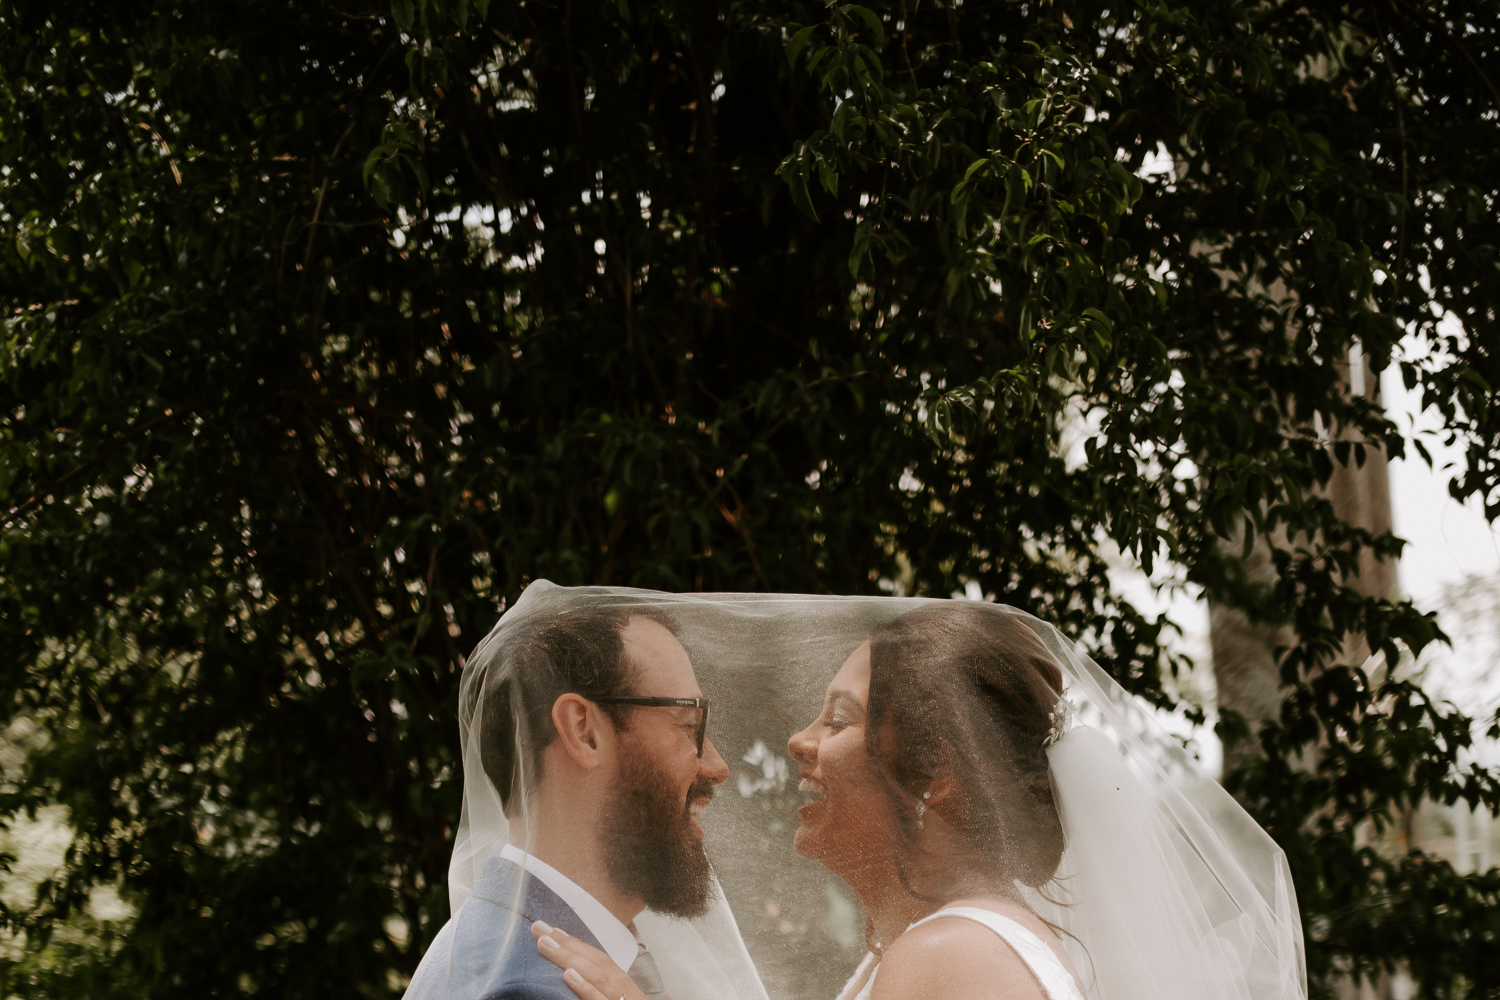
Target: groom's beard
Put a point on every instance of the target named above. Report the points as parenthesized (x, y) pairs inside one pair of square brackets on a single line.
[(651, 850)]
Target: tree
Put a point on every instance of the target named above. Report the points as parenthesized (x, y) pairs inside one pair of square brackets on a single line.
[(330, 327)]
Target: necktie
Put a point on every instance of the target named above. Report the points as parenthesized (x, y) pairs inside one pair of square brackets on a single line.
[(643, 972)]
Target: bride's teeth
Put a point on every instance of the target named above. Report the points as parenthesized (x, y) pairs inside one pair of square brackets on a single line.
[(811, 786)]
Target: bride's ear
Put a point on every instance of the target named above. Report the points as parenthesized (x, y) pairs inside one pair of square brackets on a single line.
[(938, 791)]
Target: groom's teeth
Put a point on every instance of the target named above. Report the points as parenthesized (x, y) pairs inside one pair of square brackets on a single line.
[(696, 811)]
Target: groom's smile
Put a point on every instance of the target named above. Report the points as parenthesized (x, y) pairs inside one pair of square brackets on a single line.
[(664, 786), (698, 798)]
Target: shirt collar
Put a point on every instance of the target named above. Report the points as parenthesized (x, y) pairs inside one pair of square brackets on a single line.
[(614, 937)]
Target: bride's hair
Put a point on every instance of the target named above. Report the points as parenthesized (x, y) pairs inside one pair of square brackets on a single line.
[(961, 692)]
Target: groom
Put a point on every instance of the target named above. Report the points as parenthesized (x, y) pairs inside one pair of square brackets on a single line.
[(619, 779)]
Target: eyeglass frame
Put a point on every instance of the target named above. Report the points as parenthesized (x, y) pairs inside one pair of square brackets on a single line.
[(651, 702)]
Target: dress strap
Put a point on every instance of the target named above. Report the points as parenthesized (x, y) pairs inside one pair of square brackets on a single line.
[(1056, 981), (848, 993)]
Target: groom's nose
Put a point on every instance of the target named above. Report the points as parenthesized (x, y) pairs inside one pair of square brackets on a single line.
[(711, 766)]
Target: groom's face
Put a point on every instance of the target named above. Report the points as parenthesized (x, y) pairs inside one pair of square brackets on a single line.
[(655, 835)]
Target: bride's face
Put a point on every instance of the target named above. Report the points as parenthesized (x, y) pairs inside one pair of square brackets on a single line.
[(848, 823)]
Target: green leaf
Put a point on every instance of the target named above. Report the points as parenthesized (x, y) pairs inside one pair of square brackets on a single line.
[(974, 167), (1098, 318), (801, 197), (871, 19), (798, 41), (864, 235), (828, 174)]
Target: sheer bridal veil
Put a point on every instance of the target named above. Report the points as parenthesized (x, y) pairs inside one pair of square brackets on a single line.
[(1167, 889)]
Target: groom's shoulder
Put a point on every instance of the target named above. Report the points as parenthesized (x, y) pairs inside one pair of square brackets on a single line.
[(491, 955), (534, 983), (538, 990), (543, 984), (486, 951)]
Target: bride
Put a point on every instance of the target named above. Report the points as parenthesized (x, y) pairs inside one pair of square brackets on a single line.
[(983, 834)]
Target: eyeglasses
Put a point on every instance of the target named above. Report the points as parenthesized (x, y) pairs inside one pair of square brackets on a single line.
[(630, 699)]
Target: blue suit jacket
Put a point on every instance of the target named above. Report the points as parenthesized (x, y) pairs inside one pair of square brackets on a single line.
[(487, 952)]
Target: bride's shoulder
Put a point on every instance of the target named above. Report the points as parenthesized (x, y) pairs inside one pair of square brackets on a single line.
[(953, 958)]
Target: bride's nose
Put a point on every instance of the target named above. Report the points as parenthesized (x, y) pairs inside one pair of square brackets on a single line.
[(803, 748)]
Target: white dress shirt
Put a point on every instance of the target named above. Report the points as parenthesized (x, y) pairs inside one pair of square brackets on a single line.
[(614, 937)]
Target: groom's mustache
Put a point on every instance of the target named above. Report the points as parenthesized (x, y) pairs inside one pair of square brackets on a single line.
[(700, 789)]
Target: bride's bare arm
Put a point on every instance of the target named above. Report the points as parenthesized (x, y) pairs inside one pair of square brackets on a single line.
[(588, 971)]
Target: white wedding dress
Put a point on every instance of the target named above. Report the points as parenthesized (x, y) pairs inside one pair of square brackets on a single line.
[(1056, 981)]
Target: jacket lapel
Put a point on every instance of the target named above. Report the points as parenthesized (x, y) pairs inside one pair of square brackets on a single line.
[(508, 885)]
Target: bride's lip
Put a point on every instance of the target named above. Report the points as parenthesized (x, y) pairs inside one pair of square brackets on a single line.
[(815, 787), (809, 809)]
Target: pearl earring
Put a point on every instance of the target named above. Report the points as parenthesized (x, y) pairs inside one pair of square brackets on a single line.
[(921, 808)]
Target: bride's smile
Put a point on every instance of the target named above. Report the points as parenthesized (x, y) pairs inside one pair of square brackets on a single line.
[(847, 822), (925, 789), (812, 795), (811, 790)]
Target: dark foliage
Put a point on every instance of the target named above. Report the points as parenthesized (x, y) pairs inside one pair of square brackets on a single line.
[(329, 327)]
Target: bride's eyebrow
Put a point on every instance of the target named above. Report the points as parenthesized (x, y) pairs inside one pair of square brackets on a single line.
[(845, 696)]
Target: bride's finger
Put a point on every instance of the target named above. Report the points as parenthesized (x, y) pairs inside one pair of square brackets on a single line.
[(565, 957), (581, 986), (590, 965), (569, 947), (564, 951)]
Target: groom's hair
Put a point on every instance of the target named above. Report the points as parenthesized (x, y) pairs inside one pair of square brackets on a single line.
[(578, 649)]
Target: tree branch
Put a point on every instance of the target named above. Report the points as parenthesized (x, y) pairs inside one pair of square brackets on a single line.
[(37, 498)]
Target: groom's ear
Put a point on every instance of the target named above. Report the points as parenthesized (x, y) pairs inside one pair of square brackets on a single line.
[(584, 732)]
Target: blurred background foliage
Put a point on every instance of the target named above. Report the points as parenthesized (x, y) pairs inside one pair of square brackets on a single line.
[(328, 327)]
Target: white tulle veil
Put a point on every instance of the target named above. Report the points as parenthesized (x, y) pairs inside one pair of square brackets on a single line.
[(1167, 889)]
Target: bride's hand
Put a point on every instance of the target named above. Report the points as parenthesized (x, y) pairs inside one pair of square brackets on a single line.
[(588, 971)]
